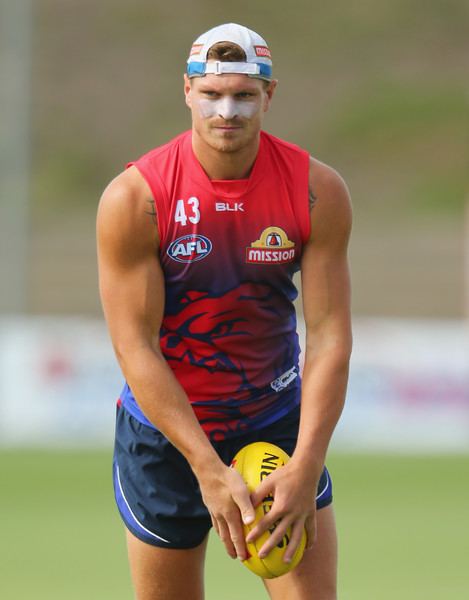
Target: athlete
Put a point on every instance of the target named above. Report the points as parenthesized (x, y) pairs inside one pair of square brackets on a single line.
[(198, 241)]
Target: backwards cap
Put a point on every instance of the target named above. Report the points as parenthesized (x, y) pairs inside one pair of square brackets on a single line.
[(258, 58)]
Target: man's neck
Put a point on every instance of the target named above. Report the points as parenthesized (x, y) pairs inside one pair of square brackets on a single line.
[(224, 165)]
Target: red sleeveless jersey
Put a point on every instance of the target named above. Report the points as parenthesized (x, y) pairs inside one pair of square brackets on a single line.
[(228, 250)]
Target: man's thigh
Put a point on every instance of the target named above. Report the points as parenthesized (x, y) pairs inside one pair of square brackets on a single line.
[(315, 578), (166, 573), (156, 492)]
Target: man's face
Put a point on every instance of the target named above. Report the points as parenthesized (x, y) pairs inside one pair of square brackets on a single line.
[(227, 110)]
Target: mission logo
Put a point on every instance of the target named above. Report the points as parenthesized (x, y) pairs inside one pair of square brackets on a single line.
[(189, 248), (272, 247)]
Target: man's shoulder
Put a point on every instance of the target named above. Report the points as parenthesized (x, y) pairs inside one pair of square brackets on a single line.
[(126, 216), (331, 214), (324, 177), (126, 191)]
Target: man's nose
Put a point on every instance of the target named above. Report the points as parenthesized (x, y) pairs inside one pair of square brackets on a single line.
[(227, 108)]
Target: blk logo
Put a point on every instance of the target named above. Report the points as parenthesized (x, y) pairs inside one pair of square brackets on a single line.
[(227, 207)]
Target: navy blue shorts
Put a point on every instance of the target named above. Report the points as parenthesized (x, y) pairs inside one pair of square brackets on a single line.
[(157, 493)]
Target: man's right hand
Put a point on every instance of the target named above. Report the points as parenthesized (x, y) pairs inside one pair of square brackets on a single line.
[(228, 500)]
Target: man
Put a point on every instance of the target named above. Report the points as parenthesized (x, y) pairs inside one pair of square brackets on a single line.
[(198, 242)]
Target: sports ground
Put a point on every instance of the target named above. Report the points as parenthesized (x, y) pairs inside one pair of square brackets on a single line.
[(383, 99), (403, 524)]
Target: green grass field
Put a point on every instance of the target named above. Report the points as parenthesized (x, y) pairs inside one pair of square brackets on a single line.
[(403, 524)]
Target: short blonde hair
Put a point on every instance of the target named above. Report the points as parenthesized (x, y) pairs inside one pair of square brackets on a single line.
[(226, 52)]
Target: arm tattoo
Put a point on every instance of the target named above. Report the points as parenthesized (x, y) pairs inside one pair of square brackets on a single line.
[(151, 211), (312, 199)]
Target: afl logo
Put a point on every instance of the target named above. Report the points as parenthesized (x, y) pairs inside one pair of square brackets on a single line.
[(189, 248)]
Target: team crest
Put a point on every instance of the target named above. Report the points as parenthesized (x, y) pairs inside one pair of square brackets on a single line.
[(189, 248), (272, 247)]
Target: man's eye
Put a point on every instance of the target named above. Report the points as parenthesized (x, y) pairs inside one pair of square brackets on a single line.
[(244, 95)]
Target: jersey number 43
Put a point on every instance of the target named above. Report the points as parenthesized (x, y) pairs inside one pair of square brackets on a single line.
[(192, 214)]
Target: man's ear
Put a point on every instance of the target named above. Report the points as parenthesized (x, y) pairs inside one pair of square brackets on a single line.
[(269, 92), (187, 91)]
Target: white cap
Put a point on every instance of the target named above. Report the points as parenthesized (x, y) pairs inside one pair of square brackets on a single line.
[(258, 59)]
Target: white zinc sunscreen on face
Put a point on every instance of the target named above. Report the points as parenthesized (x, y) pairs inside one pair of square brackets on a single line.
[(227, 108)]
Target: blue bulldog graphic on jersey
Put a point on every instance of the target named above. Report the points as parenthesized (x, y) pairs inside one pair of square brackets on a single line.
[(213, 348)]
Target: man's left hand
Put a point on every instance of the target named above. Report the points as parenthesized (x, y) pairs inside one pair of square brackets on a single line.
[(294, 505)]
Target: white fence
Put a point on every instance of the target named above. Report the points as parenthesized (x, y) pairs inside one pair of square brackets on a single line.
[(408, 391), (409, 387)]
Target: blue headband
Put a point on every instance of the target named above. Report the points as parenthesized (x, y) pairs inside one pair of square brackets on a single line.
[(199, 69)]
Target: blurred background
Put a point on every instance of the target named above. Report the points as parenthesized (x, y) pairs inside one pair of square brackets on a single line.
[(379, 90)]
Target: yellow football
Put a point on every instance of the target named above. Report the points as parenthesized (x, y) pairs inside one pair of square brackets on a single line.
[(255, 462)]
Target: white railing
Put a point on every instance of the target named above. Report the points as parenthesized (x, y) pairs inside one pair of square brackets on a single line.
[(409, 385)]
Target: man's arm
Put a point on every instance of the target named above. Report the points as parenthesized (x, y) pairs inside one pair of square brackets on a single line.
[(132, 293), (326, 305)]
